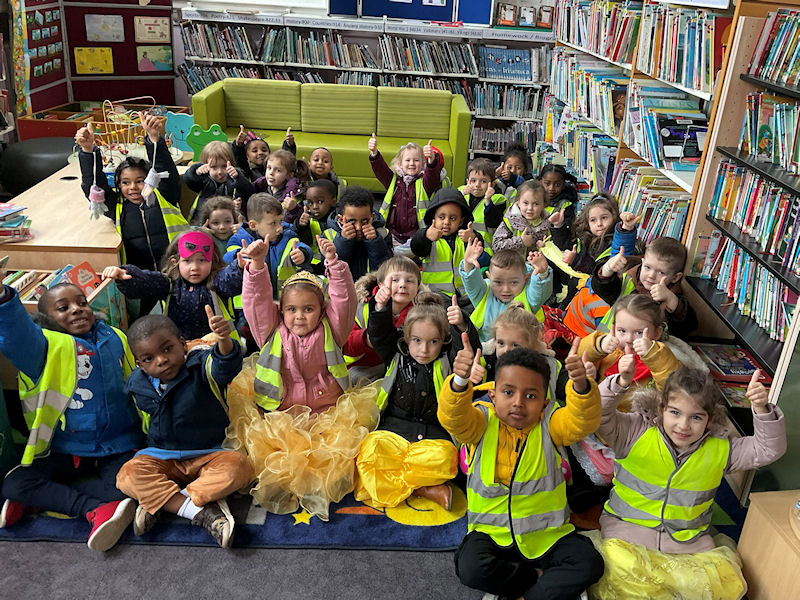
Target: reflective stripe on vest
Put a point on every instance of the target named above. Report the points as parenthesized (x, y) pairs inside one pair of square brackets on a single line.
[(220, 308), (420, 197), (479, 220), (172, 216), (44, 402), (440, 371), (316, 229), (362, 318), (268, 384), (584, 312), (627, 287), (478, 316), (286, 267), (440, 268), (650, 490), (532, 512)]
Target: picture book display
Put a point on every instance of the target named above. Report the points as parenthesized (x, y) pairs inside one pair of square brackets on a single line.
[(729, 362)]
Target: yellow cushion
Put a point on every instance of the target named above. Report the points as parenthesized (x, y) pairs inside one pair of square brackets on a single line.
[(332, 108), (413, 113), (262, 103)]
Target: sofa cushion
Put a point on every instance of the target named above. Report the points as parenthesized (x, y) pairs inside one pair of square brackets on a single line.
[(262, 103), (414, 113), (331, 108)]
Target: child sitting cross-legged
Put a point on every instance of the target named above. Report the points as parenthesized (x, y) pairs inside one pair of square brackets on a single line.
[(184, 469), (72, 373), (509, 279), (672, 452), (520, 541), (286, 255)]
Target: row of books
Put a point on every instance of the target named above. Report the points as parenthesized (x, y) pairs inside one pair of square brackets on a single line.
[(682, 45), (14, 225), (496, 140), (643, 190), (507, 101), (756, 293), (609, 29), (327, 49), (454, 86), (770, 131), (355, 78), (301, 76), (516, 64), (776, 55), (198, 77), (761, 209), (664, 125), (210, 40), (410, 54)]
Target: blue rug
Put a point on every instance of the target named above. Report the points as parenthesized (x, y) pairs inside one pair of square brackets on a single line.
[(417, 524)]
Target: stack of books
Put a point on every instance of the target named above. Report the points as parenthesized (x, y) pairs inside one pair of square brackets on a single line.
[(410, 54), (732, 367), (776, 56), (209, 40), (682, 45), (14, 225), (770, 131), (272, 48)]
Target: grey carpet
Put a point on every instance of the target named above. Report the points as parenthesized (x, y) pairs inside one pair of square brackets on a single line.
[(59, 571)]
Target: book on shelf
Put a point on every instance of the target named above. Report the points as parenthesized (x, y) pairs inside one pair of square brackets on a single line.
[(770, 129), (507, 101), (609, 29), (730, 363), (776, 56), (506, 14), (735, 393), (497, 139), (411, 54)]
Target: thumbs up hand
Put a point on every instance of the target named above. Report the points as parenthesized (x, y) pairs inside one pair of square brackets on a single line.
[(626, 366), (615, 264), (629, 220), (383, 296), (576, 369), (289, 202), (660, 292), (241, 137), (289, 139), (557, 218), (84, 137), (466, 234), (373, 145), (487, 197), (757, 393), (231, 170), (454, 315), (433, 233), (326, 248), (462, 365), (296, 255), (642, 345), (478, 372), (569, 255), (305, 218), (609, 343), (428, 151)]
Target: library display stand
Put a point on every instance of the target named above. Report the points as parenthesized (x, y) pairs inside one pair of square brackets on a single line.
[(500, 72)]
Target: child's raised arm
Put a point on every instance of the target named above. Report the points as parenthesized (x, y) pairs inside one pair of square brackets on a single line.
[(21, 340), (768, 442), (381, 331), (341, 311), (465, 422), (657, 356), (91, 163), (159, 156), (581, 415), (226, 356), (431, 176), (380, 169), (260, 310), (139, 283)]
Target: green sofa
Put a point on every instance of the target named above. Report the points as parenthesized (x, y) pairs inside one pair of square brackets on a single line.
[(341, 118)]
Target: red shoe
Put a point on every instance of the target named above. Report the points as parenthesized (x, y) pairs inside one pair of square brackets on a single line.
[(11, 513), (109, 521)]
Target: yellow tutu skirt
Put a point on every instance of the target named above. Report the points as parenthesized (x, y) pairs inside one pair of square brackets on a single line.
[(390, 467), (300, 459), (636, 572)]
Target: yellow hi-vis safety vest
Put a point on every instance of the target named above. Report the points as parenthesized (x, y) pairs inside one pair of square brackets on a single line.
[(362, 318), (316, 229), (173, 219), (627, 287), (441, 369), (44, 402), (420, 196), (479, 220), (220, 308), (478, 316), (440, 268), (651, 490), (532, 511), (268, 383)]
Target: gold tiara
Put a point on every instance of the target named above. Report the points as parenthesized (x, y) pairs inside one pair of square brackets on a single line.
[(303, 277)]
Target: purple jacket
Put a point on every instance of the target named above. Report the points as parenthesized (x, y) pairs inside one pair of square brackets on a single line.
[(290, 186)]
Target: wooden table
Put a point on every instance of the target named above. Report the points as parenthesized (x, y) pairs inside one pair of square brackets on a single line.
[(769, 549)]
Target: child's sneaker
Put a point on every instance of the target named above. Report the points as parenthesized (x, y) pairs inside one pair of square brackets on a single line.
[(109, 521), (11, 513), (143, 521), (217, 519)]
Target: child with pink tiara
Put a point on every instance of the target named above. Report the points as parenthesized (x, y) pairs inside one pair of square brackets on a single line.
[(303, 449), (192, 277)]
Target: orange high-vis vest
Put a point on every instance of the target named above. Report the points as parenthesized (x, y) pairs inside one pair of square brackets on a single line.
[(585, 311)]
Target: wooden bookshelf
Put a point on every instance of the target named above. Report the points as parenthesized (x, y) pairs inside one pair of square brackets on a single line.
[(773, 86)]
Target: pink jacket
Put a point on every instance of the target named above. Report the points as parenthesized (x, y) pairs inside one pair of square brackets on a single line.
[(621, 430), (304, 372)]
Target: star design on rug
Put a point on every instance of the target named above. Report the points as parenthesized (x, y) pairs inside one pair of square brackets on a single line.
[(302, 517)]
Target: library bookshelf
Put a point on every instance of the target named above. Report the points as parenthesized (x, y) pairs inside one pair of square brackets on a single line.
[(377, 52)]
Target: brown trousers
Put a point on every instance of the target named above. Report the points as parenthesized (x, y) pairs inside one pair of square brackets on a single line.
[(152, 481)]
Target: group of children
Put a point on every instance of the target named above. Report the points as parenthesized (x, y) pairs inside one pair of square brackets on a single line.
[(397, 346)]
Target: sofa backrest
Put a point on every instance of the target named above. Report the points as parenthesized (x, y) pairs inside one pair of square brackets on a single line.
[(262, 103), (332, 108), (414, 113)]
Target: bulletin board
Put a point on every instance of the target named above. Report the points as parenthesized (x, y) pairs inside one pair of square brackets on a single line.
[(475, 12), (135, 51), (427, 10)]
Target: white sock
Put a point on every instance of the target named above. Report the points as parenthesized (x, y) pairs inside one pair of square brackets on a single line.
[(184, 492), (188, 510)]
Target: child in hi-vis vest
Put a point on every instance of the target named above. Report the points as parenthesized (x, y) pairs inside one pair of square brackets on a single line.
[(520, 541)]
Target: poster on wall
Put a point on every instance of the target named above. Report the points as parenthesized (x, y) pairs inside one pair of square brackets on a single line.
[(154, 58), (94, 61), (151, 29), (104, 28)]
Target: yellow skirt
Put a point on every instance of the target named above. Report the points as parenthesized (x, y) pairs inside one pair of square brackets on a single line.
[(636, 572), (390, 467), (300, 459)]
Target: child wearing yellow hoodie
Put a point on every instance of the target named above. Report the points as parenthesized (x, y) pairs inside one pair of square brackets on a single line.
[(520, 542)]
